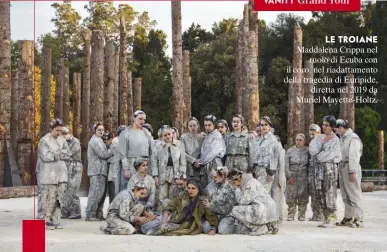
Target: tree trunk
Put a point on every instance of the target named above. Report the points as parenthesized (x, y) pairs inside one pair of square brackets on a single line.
[(77, 104), (123, 112), (309, 107), (97, 77), (381, 150), (239, 70), (26, 111), (5, 79), (130, 98), (108, 109), (116, 90), (59, 91), (66, 96), (187, 90), (137, 93), (351, 106), (252, 77), (343, 105), (177, 63), (85, 110), (295, 90), (45, 92), (17, 192), (245, 63), (14, 109)]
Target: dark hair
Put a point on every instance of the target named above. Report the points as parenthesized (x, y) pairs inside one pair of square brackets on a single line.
[(96, 125), (330, 119), (107, 136), (268, 120), (138, 112), (120, 129), (55, 123), (210, 118), (341, 123), (233, 174), (148, 127), (193, 119)]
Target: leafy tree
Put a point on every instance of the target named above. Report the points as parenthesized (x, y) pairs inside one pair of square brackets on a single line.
[(195, 36)]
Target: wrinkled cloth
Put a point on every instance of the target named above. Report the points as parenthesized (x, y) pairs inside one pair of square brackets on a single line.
[(256, 207), (53, 199), (72, 207), (351, 150), (278, 187), (149, 200), (192, 145), (97, 156), (96, 196), (122, 212), (317, 211), (239, 151), (296, 163)]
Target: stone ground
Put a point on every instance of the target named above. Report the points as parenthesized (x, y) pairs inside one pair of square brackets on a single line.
[(79, 235)]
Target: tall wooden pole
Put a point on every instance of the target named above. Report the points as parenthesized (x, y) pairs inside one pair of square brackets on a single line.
[(309, 107), (123, 112), (77, 104), (116, 88), (351, 106), (108, 109), (187, 89), (245, 62), (66, 96), (58, 113), (381, 150), (45, 92), (239, 70), (177, 63), (137, 94)]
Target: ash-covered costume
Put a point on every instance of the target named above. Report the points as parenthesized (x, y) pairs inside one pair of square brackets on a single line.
[(211, 154), (186, 217), (149, 200), (222, 200), (351, 150), (169, 163), (192, 145), (316, 207), (52, 176), (121, 214), (133, 144), (97, 155), (113, 168), (265, 159), (72, 208), (239, 151), (279, 183), (296, 166), (256, 209), (328, 155)]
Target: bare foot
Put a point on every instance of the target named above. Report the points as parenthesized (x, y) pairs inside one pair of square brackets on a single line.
[(212, 232)]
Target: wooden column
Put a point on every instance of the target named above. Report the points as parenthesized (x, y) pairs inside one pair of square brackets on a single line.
[(137, 94), (123, 112), (26, 111), (77, 104), (245, 94), (309, 107), (116, 90), (45, 92), (108, 109), (239, 70), (381, 150), (187, 89), (97, 77), (14, 109), (66, 96), (58, 112), (130, 98), (177, 63)]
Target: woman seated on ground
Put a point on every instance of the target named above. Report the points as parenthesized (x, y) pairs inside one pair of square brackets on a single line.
[(141, 166), (257, 211), (220, 200), (126, 211), (183, 215)]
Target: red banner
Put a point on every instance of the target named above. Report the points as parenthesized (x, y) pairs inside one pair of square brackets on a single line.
[(34, 236), (307, 5)]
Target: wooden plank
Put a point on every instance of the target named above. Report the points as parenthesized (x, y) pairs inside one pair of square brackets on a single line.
[(17, 192)]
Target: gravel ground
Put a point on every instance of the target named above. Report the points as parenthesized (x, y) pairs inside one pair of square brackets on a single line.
[(79, 235)]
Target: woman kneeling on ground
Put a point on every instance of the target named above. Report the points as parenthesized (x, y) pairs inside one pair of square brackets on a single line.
[(183, 215), (126, 212), (257, 211)]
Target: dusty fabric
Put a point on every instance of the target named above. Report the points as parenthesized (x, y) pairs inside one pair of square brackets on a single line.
[(239, 151), (52, 154), (328, 155), (97, 156), (266, 152), (149, 200), (256, 207), (192, 145), (297, 194), (200, 214), (121, 213), (133, 144), (53, 199), (351, 150), (72, 205), (317, 211), (279, 181), (160, 161), (96, 196)]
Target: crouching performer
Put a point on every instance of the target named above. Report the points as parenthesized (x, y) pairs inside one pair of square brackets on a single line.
[(221, 200), (126, 212), (183, 215), (256, 213)]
